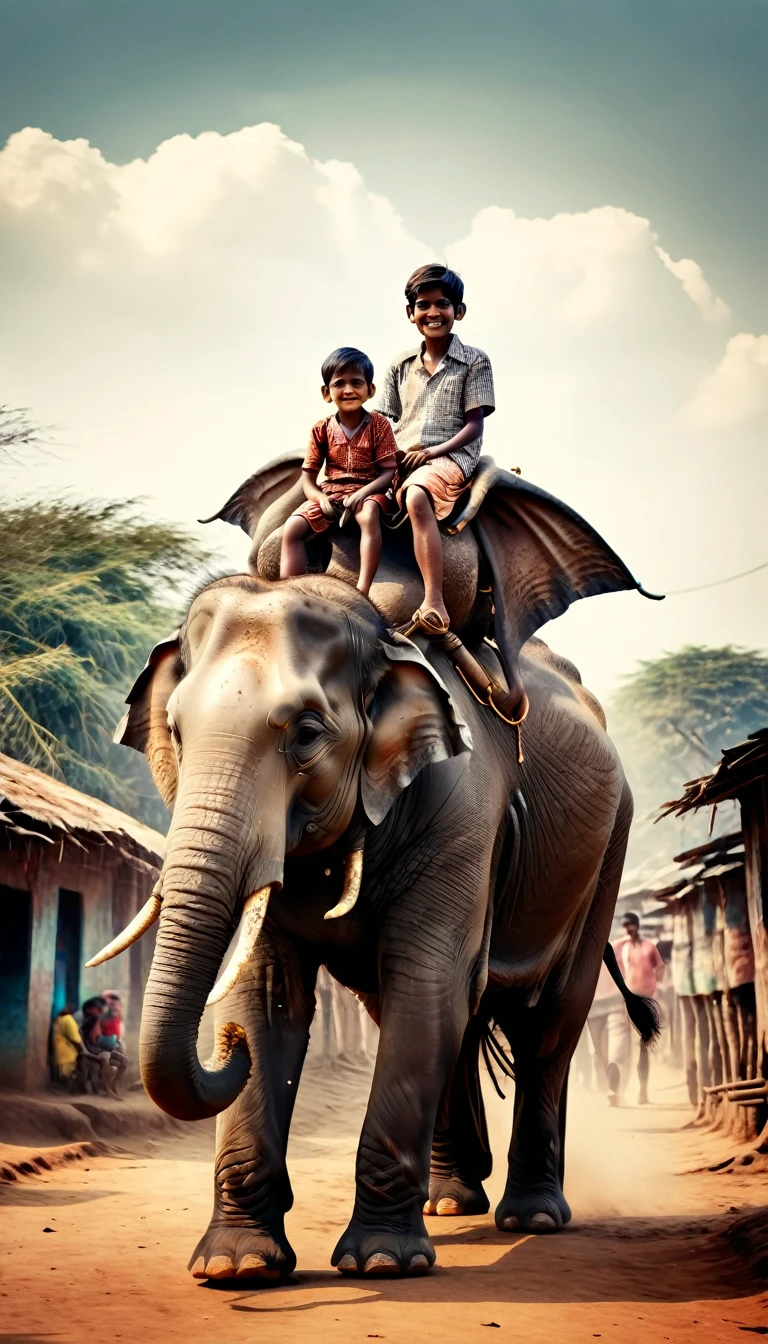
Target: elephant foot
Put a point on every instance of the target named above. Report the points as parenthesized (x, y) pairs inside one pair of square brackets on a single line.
[(533, 1208), (382, 1252), (226, 1252), (450, 1197)]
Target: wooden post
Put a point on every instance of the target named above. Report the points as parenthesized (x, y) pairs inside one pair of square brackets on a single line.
[(43, 883), (754, 815)]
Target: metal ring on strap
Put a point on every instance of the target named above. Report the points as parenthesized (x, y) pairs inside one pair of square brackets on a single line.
[(490, 704)]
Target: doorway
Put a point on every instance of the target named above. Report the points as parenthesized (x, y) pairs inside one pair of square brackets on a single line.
[(69, 940), (15, 950)]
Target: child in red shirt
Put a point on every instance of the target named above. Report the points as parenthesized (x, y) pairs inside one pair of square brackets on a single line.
[(357, 449)]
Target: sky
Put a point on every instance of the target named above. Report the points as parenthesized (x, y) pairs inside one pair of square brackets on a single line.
[(199, 200)]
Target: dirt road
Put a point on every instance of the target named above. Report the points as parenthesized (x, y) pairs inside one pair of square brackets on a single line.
[(648, 1256)]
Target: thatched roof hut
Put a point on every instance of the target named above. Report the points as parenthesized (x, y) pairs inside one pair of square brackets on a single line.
[(73, 872)]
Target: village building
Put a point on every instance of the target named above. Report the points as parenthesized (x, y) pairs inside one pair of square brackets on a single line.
[(73, 873), (732, 880)]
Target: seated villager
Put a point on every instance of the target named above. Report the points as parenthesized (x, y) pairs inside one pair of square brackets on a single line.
[(437, 395), (66, 1047), (113, 1022), (102, 1046), (357, 449)]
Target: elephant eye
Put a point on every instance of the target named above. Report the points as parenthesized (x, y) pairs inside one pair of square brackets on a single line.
[(308, 735)]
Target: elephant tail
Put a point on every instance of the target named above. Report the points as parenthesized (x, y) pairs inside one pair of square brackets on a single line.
[(643, 1012)]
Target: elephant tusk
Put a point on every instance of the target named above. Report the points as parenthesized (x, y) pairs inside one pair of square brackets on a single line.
[(254, 912), (353, 876), (144, 920)]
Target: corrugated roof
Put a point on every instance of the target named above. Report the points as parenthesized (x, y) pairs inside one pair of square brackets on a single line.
[(740, 766), (721, 844), (33, 804)]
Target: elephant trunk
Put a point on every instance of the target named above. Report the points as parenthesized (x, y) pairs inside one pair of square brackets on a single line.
[(214, 858)]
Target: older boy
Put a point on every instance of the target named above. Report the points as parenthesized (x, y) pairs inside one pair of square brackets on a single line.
[(438, 396), (357, 449)]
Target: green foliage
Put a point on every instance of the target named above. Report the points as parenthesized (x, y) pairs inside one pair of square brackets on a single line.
[(85, 590), (674, 715)]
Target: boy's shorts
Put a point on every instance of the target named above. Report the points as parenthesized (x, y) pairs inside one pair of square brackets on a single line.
[(444, 482), (317, 519)]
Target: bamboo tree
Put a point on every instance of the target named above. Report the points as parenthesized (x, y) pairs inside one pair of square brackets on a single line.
[(85, 589), (670, 721)]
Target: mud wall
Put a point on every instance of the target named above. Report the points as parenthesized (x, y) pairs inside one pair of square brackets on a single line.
[(111, 891)]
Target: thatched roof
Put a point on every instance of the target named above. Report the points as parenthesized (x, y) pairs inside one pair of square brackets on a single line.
[(740, 766), (678, 880), (34, 805)]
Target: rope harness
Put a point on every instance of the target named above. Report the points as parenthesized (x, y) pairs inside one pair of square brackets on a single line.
[(488, 689)]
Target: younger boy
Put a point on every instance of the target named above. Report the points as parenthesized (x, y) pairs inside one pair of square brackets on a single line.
[(357, 448), (438, 396)]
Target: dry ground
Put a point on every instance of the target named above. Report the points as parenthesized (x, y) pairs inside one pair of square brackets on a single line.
[(651, 1255)]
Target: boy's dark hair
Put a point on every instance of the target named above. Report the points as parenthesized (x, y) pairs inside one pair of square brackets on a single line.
[(426, 277), (346, 357), (95, 1004)]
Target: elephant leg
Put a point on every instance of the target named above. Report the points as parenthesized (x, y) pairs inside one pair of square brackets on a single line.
[(543, 1039), (461, 1151), (533, 1198), (598, 1030), (429, 954), (245, 1238)]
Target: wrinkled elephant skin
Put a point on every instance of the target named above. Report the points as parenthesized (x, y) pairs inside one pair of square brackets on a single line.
[(290, 731)]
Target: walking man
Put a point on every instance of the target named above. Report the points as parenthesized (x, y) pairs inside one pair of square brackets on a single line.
[(641, 964)]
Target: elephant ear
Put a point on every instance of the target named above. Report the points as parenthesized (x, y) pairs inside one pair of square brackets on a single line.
[(542, 554), (414, 723), (145, 726), (255, 496)]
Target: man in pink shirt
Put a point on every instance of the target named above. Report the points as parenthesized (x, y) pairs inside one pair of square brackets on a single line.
[(641, 965)]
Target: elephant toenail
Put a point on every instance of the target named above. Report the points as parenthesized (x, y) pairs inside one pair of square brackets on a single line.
[(253, 1266), (381, 1263), (198, 1269), (220, 1267), (419, 1265), (448, 1208), (510, 1224), (347, 1264), (542, 1222), (430, 1208)]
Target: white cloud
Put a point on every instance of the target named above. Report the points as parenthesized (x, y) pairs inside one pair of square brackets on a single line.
[(171, 314), (696, 286), (737, 390), (569, 266)]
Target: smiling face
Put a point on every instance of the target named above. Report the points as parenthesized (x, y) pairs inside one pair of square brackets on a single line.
[(433, 313), (349, 391)]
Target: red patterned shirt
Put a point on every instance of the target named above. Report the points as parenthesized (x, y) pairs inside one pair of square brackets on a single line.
[(350, 463)]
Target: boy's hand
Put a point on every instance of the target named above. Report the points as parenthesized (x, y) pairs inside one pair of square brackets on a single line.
[(328, 507), (415, 459), (355, 500)]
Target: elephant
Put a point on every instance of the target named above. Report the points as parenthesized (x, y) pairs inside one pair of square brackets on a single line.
[(339, 794)]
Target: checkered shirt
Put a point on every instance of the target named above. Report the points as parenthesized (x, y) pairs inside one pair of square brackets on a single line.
[(351, 462), (428, 409)]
